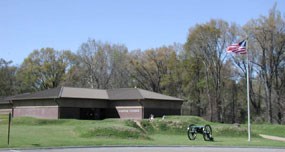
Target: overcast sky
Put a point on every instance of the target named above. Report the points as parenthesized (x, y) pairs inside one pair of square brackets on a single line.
[(26, 25)]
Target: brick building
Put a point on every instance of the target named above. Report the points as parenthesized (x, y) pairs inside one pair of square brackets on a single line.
[(5, 106), (83, 103)]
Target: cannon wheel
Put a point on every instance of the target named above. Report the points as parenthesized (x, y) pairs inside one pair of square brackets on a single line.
[(207, 134), (191, 132)]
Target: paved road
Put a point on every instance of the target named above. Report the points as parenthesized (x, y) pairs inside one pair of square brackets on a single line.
[(153, 149)]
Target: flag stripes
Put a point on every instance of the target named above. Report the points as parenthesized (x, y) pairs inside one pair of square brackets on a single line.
[(238, 48)]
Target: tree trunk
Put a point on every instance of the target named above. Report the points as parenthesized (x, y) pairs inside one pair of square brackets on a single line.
[(268, 104), (209, 96)]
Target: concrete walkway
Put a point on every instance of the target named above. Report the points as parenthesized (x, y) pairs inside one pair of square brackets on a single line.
[(272, 137)]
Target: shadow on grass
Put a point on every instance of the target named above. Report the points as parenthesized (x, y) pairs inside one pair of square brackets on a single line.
[(37, 145)]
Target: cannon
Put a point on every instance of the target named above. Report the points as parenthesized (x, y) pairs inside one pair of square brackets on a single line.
[(206, 130)]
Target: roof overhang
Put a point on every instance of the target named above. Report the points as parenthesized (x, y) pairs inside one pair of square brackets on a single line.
[(86, 93)]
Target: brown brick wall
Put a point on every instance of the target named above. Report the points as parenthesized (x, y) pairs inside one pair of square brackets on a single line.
[(5, 108), (5, 111), (130, 112), (47, 112)]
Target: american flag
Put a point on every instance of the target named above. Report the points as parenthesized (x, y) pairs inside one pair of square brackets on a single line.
[(239, 48)]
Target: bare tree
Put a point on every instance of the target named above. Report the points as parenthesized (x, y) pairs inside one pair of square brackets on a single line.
[(102, 65), (269, 36)]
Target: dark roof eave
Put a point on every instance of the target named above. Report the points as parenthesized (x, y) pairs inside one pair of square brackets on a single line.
[(126, 99), (165, 99), (83, 98), (1, 103), (147, 99), (16, 99)]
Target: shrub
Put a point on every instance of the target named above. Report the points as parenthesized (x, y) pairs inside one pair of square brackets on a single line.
[(147, 125)]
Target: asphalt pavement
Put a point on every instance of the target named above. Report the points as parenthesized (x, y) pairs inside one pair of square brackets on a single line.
[(149, 149)]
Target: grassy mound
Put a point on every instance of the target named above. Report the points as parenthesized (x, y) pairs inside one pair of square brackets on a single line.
[(139, 129), (32, 132), (113, 132), (170, 124), (114, 128), (178, 125)]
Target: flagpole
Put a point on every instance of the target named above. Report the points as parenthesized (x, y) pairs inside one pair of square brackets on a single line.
[(247, 85)]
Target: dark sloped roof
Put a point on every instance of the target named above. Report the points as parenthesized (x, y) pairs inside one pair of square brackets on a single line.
[(135, 93), (124, 94), (64, 92), (68, 92), (84, 93), (45, 94), (153, 95)]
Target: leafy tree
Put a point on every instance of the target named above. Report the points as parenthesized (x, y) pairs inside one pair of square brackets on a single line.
[(172, 81), (207, 42), (43, 69), (7, 75), (150, 66)]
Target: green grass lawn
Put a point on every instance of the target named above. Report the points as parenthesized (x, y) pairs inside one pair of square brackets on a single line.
[(31, 132)]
